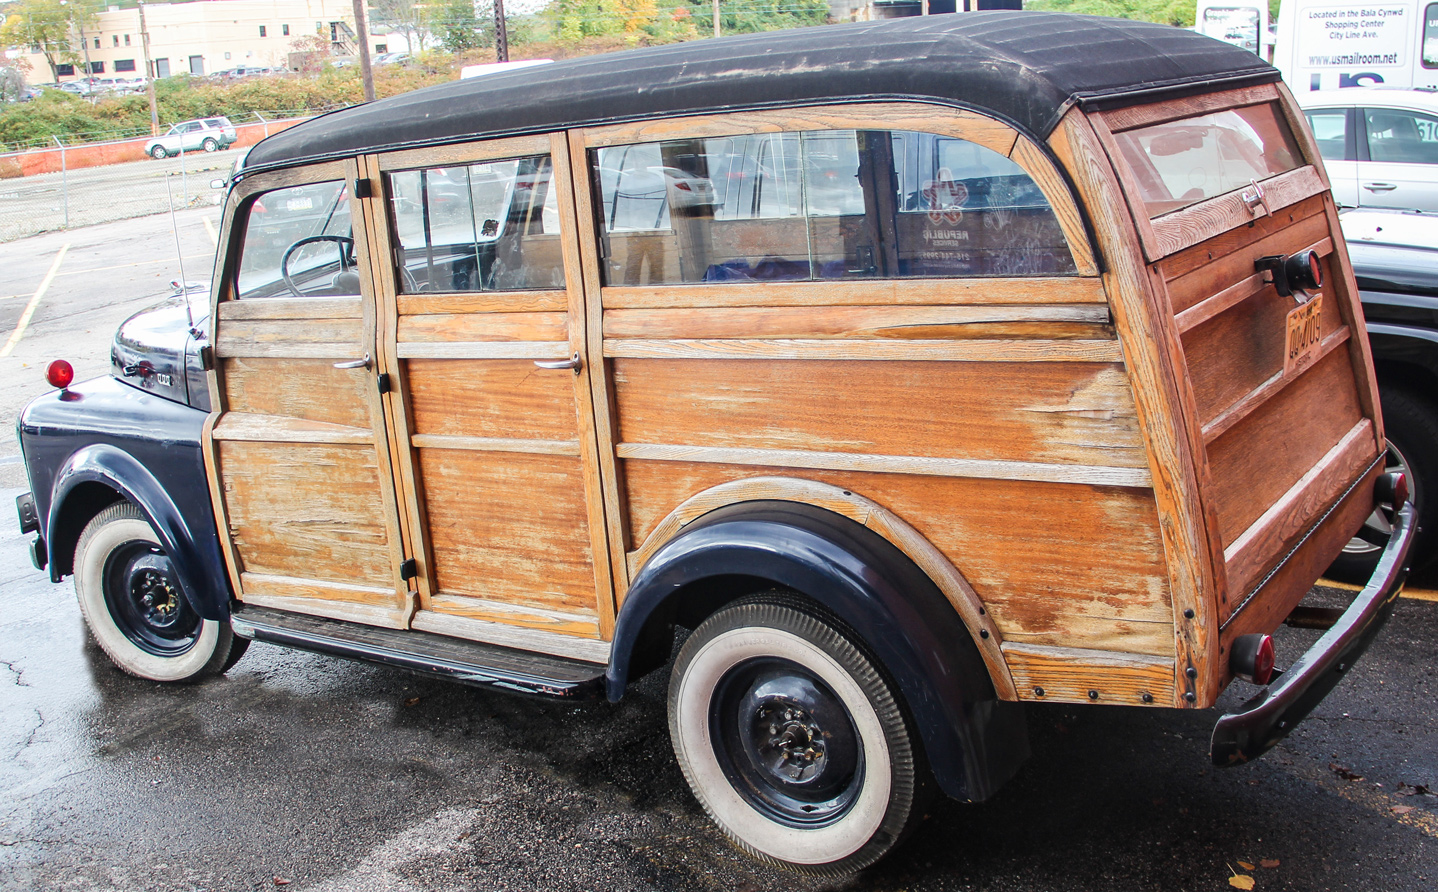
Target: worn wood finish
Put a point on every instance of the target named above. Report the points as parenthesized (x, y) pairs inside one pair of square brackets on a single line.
[(602, 394), (307, 603), (288, 387), (282, 429), (1262, 457), (1078, 413), (1199, 222), (1167, 418), (1133, 117), (996, 350), (860, 510), (503, 398), (294, 308), (1237, 293), (1302, 133), (497, 444), (898, 323), (851, 293), (1238, 247), (316, 339), (483, 350), (215, 482), (1026, 546), (1269, 388), (1344, 287), (1084, 675), (1257, 550), (505, 634), (584, 623), (477, 327), (426, 304), (915, 116)]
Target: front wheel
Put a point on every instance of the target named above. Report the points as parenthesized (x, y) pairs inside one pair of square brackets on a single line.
[(159, 153), (131, 599), (792, 740), (209, 145)]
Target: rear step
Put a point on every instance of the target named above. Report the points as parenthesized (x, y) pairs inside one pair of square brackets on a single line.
[(469, 662)]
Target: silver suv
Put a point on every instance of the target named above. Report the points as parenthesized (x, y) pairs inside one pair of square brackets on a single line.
[(208, 134)]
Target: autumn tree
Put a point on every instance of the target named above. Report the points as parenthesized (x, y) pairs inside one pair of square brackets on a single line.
[(43, 25), (407, 17)]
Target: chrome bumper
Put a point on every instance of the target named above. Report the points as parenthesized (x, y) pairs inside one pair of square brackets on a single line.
[(1278, 708)]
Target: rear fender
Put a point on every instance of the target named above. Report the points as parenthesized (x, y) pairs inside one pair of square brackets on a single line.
[(973, 740)]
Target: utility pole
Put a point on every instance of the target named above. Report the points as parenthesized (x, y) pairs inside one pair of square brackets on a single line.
[(149, 75), (501, 33), (362, 35), (716, 18)]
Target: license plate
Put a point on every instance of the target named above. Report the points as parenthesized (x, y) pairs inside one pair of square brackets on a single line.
[(300, 204), (1304, 334)]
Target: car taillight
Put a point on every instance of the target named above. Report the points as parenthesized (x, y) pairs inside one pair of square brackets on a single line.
[(1252, 658), (1392, 488), (59, 373)]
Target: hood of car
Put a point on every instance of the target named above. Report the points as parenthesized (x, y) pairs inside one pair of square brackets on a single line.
[(157, 349)]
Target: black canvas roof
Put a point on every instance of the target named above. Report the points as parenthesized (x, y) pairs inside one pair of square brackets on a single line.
[(1026, 67)]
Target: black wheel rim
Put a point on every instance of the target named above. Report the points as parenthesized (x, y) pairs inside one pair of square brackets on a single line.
[(144, 599), (786, 743)]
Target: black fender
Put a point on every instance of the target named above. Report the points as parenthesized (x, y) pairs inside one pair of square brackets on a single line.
[(974, 741), (1404, 355), (194, 558)]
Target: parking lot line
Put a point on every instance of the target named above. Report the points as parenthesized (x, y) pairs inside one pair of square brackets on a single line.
[(19, 331), (1417, 594), (210, 228)]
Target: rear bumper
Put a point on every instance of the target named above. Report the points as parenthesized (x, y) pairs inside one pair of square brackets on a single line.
[(1269, 717)]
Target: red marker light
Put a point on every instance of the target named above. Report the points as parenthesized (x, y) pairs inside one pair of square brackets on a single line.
[(59, 374), (1252, 658)]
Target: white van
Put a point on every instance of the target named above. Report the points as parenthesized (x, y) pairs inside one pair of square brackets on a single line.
[(1332, 44)]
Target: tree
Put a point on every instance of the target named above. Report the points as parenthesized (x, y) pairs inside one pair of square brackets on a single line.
[(459, 27), (762, 15), (407, 17), (44, 26)]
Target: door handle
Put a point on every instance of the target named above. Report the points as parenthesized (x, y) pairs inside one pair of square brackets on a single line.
[(573, 362), (355, 363), (1379, 187)]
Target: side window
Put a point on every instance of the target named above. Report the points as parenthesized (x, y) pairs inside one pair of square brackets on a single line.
[(298, 243), (1430, 36), (492, 226), (1403, 136), (820, 205), (1330, 129)]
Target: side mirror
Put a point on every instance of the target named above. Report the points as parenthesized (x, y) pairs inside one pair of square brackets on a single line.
[(218, 184)]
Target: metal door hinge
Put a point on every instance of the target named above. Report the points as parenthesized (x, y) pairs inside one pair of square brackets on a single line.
[(408, 569), (382, 382), (364, 188), (207, 357)]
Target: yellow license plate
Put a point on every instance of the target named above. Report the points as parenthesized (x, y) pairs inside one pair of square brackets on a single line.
[(1304, 334)]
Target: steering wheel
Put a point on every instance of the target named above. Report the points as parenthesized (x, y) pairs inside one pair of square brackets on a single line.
[(347, 246)]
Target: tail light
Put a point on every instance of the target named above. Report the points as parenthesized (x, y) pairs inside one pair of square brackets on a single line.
[(59, 373), (1392, 488), (1252, 658)]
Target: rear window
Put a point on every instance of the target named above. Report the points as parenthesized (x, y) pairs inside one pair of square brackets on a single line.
[(1178, 163)]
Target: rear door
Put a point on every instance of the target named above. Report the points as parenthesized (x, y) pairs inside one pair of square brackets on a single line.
[(1402, 166), (297, 447)]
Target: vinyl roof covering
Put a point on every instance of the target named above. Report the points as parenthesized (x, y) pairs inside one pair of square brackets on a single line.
[(1026, 67)]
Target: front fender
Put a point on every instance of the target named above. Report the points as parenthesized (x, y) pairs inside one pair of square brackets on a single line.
[(974, 741), (201, 579)]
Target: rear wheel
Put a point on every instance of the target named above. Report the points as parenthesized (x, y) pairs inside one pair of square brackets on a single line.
[(792, 740), (1411, 425), (209, 145), (158, 152), (131, 599)]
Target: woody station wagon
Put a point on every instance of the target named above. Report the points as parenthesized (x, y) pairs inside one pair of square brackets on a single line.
[(921, 368)]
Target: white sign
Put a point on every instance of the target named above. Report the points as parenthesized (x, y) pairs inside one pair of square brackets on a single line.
[(1367, 36)]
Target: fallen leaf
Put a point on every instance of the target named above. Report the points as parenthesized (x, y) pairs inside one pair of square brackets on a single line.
[(1269, 863), (281, 881), (1245, 865), (1344, 772), (1402, 809), (1240, 881), (412, 701)]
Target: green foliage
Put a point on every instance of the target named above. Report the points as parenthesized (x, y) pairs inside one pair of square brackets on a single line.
[(460, 27), (761, 15), (1172, 12), (42, 23)]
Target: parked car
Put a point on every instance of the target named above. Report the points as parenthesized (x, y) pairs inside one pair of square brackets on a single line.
[(208, 134), (1380, 145), (980, 375), (1395, 260)]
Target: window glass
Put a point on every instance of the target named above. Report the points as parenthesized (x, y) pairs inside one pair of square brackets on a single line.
[(1402, 136), (1236, 25), (1430, 36), (482, 227), (820, 205), (1181, 162), (1330, 129), (298, 244)]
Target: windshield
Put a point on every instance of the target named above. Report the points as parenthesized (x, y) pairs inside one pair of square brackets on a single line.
[(297, 243)]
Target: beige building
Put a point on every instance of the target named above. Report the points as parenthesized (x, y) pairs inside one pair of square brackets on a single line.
[(207, 36)]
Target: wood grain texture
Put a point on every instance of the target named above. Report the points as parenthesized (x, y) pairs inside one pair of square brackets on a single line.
[(283, 429), (898, 323), (580, 622), (1238, 247), (508, 527), (500, 398), (1262, 457), (1302, 133), (1028, 547), (262, 386), (997, 350), (1342, 285), (860, 510), (215, 482), (315, 339), (484, 350), (1262, 544), (455, 327), (878, 292), (507, 635), (1068, 675), (293, 308), (1056, 413), (1037, 164), (497, 444), (1242, 290), (1266, 391), (1199, 222), (306, 511), (486, 302), (349, 611), (1137, 116), (1167, 418)]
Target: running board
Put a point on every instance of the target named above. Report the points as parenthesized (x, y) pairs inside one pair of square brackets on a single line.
[(468, 662)]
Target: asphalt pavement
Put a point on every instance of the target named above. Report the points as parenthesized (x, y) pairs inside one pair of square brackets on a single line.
[(306, 772)]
